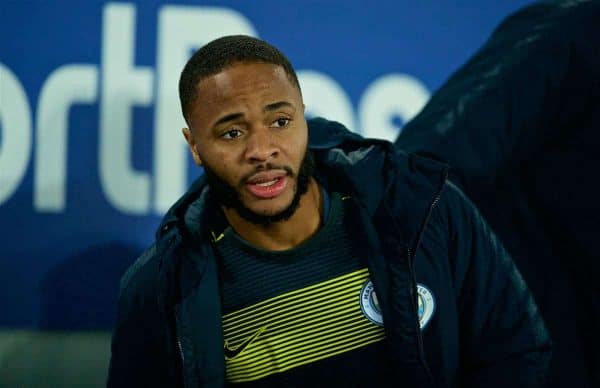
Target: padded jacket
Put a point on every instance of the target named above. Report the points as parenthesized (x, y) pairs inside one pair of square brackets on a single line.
[(412, 225)]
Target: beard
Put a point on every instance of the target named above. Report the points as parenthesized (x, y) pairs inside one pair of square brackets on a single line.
[(226, 195)]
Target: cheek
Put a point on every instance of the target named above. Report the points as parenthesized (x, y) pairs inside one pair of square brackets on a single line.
[(224, 167), (228, 171), (298, 149)]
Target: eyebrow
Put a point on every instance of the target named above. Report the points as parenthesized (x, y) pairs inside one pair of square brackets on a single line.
[(267, 108), (229, 117), (277, 105)]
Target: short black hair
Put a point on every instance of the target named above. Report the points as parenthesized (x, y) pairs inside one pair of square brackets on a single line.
[(221, 53)]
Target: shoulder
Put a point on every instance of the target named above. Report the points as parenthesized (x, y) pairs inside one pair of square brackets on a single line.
[(141, 277), (455, 210), (470, 241), (463, 222)]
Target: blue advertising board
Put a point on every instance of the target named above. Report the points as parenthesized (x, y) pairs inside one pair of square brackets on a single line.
[(91, 151)]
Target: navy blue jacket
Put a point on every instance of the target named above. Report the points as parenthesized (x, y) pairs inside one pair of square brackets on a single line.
[(413, 226)]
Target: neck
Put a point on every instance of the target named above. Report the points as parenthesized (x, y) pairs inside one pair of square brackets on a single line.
[(286, 234)]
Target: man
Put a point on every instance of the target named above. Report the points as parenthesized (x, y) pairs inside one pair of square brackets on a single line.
[(306, 255), (520, 124)]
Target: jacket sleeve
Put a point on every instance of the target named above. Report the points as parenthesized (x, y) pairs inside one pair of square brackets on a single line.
[(137, 350), (503, 340)]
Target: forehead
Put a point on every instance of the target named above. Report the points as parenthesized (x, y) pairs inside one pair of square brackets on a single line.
[(244, 82)]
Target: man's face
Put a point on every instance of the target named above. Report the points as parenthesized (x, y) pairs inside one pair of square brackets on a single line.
[(247, 128)]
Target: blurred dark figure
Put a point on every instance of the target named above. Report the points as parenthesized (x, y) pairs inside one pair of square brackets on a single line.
[(520, 123), (81, 292)]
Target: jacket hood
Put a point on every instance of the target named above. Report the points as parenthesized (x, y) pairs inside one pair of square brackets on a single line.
[(355, 165)]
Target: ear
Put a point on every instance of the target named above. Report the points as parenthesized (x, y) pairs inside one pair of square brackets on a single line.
[(189, 138)]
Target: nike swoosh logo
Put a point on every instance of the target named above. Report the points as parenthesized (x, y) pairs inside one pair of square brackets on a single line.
[(233, 352)]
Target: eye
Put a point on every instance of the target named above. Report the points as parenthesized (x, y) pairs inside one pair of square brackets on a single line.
[(281, 122), (231, 134)]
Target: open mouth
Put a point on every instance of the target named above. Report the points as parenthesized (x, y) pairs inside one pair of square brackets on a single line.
[(269, 184)]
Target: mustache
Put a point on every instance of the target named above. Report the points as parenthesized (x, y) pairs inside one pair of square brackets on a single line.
[(266, 167)]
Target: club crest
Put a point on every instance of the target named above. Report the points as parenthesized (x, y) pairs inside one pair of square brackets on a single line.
[(426, 305), (369, 304)]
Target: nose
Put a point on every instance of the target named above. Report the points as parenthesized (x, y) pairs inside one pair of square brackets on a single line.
[(261, 146)]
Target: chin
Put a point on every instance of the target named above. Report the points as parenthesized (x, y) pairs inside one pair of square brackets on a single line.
[(277, 206)]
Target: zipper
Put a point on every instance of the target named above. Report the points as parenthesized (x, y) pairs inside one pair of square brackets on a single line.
[(180, 345), (180, 350), (174, 318), (410, 256)]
